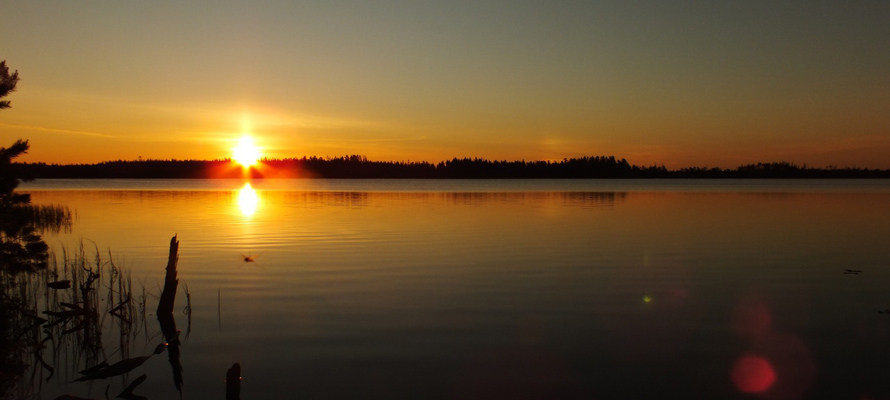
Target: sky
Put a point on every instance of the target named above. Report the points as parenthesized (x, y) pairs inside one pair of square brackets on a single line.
[(677, 83)]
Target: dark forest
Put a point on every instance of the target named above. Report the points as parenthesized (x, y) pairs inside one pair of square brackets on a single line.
[(359, 167)]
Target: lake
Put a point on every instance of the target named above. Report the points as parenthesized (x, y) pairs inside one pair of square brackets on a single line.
[(343, 289)]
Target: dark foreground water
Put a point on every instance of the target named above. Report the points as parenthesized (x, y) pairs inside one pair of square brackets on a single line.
[(497, 289)]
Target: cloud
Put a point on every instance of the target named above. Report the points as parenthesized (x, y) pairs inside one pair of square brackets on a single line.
[(56, 130), (386, 140)]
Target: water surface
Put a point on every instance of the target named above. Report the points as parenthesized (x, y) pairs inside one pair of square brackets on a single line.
[(505, 289)]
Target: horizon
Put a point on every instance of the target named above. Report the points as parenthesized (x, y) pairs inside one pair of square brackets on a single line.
[(261, 163), (686, 84)]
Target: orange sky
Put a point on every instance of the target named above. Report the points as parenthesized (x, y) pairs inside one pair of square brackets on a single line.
[(690, 83)]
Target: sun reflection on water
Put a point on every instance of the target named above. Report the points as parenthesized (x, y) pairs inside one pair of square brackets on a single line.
[(248, 200)]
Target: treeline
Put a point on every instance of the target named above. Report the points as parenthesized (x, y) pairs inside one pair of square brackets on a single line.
[(356, 166), (780, 170)]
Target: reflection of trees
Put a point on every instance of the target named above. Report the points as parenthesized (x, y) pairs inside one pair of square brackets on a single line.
[(564, 199), (21, 247), (319, 199)]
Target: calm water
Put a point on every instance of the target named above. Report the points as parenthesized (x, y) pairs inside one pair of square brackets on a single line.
[(502, 289)]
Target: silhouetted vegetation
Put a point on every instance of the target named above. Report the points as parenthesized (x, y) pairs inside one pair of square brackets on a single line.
[(54, 321), (21, 246), (353, 166), (80, 317), (359, 167), (52, 316), (7, 83), (780, 170)]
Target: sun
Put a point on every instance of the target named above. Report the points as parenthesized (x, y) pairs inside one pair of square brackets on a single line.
[(246, 153)]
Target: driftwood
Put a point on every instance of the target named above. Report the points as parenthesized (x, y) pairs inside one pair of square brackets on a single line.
[(165, 313), (233, 382), (171, 283)]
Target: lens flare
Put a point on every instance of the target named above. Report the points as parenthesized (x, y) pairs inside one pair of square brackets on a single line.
[(753, 374)]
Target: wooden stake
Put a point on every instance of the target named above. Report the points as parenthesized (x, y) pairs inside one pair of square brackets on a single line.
[(171, 283)]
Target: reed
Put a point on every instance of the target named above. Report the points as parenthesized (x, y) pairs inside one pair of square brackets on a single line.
[(79, 311), (49, 218), (82, 319)]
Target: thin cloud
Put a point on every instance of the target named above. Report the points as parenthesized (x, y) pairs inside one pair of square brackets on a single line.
[(56, 130), (387, 140)]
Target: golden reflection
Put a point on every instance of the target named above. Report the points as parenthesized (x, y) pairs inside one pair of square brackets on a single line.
[(248, 200)]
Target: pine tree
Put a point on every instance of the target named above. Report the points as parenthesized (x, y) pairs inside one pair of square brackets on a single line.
[(8, 182), (7, 83)]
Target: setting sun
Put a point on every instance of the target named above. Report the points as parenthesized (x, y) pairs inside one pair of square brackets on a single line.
[(246, 153)]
